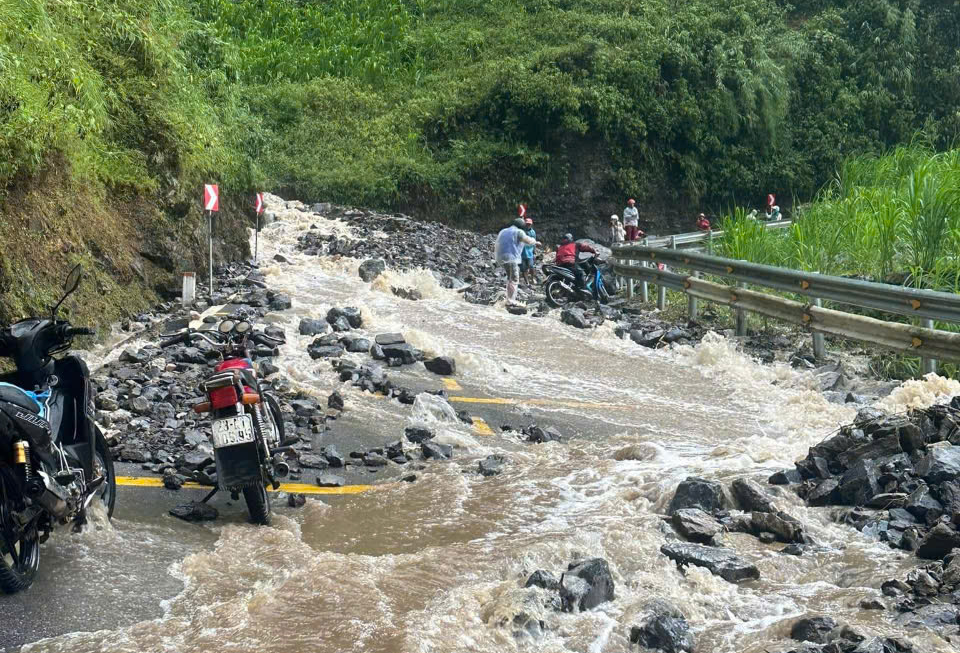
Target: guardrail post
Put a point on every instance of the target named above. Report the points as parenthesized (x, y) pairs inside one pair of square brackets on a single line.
[(673, 242), (644, 288), (661, 297), (741, 316), (710, 242), (692, 301), (819, 346), (631, 263), (929, 364)]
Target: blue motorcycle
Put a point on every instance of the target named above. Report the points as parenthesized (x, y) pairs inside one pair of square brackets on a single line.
[(561, 286)]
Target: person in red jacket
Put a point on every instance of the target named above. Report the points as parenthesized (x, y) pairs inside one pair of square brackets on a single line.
[(703, 224), (568, 252)]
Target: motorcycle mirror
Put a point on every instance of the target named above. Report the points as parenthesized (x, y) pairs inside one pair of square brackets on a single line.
[(70, 284), (243, 327), (226, 326)]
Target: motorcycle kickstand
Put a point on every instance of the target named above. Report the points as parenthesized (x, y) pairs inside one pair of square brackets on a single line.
[(210, 495)]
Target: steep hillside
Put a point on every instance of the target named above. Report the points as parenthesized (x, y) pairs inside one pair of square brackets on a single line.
[(114, 112)]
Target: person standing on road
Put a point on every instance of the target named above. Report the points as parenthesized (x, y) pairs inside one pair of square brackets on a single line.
[(617, 233), (631, 220), (507, 253), (527, 269)]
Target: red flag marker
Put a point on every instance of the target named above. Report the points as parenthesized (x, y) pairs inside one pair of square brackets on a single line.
[(522, 210), (211, 197), (259, 203)]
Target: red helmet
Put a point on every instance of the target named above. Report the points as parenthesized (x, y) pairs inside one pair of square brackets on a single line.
[(528, 221), (631, 201)]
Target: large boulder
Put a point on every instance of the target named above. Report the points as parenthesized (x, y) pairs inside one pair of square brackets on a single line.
[(575, 317), (724, 563), (696, 525), (783, 526), (859, 483), (599, 585), (442, 365), (406, 354), (751, 497), (350, 313), (942, 463), (666, 629), (812, 629), (938, 542), (699, 493), (371, 269), (311, 327)]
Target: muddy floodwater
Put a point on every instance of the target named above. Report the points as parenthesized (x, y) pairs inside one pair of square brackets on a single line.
[(438, 565)]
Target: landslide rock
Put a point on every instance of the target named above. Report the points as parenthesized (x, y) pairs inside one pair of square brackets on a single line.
[(783, 526), (311, 327), (751, 496), (940, 464), (666, 629), (699, 493), (812, 629), (371, 269), (859, 483), (596, 585), (720, 562), (696, 525), (436, 451), (544, 579), (442, 365), (195, 511), (938, 542), (491, 465), (575, 317)]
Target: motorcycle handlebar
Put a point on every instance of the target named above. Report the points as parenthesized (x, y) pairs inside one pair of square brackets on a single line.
[(175, 340), (80, 331)]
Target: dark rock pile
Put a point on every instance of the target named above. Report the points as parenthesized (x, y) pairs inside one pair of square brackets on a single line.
[(899, 477), (650, 331)]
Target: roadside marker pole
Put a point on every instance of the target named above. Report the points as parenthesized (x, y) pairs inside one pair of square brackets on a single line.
[(211, 203), (210, 232), (819, 346), (257, 210)]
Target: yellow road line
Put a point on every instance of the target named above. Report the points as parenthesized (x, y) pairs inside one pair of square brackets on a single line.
[(480, 427), (534, 402), (451, 384), (299, 488)]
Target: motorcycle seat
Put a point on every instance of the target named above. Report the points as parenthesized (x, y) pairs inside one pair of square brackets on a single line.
[(20, 398)]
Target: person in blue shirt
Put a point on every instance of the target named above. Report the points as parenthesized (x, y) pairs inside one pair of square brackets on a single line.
[(527, 268), (507, 252)]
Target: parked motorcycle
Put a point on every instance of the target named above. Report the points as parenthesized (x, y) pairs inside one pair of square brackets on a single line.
[(54, 460), (247, 430), (560, 286)]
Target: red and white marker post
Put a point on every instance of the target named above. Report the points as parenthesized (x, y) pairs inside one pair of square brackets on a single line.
[(258, 209), (211, 203), (522, 210)]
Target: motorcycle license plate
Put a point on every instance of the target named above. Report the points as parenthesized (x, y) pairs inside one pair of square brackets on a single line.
[(232, 430)]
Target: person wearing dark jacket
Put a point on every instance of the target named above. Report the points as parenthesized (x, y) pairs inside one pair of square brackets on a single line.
[(568, 252)]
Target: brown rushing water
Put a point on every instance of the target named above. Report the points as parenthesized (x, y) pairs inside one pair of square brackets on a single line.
[(438, 565)]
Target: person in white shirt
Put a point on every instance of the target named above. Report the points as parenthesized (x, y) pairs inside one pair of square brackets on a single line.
[(507, 252), (631, 220), (617, 233)]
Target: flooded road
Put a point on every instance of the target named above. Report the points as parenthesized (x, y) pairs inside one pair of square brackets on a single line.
[(439, 565)]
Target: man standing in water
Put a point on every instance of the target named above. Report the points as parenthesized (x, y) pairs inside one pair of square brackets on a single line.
[(507, 252)]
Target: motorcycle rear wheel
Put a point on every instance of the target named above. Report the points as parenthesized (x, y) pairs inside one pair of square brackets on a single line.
[(258, 504), (20, 558), (556, 294)]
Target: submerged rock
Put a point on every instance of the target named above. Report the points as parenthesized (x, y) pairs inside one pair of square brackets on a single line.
[(720, 562), (442, 365), (812, 629), (697, 493), (586, 585), (696, 525), (666, 629), (195, 511)]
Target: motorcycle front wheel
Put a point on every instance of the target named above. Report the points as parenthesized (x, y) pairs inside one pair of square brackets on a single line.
[(258, 504), (19, 550), (556, 294)]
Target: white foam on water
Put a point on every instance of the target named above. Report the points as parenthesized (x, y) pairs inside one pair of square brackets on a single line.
[(920, 393)]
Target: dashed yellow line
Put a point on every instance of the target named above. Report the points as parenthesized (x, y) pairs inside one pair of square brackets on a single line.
[(299, 488), (451, 384), (480, 427), (535, 402)]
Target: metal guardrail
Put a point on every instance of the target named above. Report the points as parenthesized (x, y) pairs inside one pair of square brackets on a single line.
[(698, 237), (927, 305)]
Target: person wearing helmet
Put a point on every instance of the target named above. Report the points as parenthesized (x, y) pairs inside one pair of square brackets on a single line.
[(507, 252), (631, 220), (527, 269), (703, 224), (568, 253)]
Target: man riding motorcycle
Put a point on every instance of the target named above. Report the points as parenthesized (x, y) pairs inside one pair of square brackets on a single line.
[(568, 253)]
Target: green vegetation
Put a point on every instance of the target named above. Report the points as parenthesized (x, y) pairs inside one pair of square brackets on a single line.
[(453, 109), (893, 218)]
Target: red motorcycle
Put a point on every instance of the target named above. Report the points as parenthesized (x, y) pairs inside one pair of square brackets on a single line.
[(247, 429)]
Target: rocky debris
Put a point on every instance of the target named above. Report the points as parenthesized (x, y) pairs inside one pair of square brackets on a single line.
[(296, 500), (442, 365), (665, 629), (720, 562), (411, 294), (330, 480), (436, 451), (371, 269), (335, 400), (751, 497), (696, 525), (389, 339), (311, 327), (538, 435), (813, 629), (195, 511), (543, 579), (492, 465), (698, 493), (418, 433), (586, 585), (349, 316)]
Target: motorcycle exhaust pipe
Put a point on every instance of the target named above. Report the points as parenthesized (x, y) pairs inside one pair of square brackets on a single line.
[(281, 469), (42, 491)]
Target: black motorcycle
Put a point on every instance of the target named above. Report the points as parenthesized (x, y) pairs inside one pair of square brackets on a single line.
[(54, 460), (247, 429), (561, 288)]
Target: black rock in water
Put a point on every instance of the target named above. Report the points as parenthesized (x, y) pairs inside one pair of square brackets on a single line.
[(544, 579), (940, 464), (371, 269), (812, 629), (599, 585), (335, 400), (938, 542), (436, 451), (389, 339), (751, 496), (696, 525), (491, 465), (324, 351), (539, 435), (195, 511), (333, 457), (442, 365), (406, 354), (418, 433), (697, 493), (721, 562), (296, 500), (280, 302), (330, 480), (312, 327), (666, 629)]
